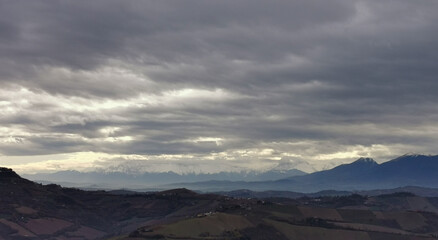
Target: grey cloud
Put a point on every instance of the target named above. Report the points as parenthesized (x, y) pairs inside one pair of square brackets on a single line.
[(84, 35), (346, 72)]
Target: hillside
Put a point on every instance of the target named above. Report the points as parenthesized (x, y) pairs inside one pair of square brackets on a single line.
[(36, 211), (400, 216), (245, 193), (33, 211)]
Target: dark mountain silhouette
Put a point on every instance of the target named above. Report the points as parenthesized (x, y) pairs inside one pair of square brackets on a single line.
[(409, 170), (365, 174)]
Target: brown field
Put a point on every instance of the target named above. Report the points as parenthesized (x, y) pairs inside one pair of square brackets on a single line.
[(47, 225), (20, 230), (86, 232), (388, 236), (69, 238), (325, 213), (355, 215), (421, 204), (407, 220), (286, 209), (316, 233), (379, 215), (215, 225), (368, 227), (281, 215), (26, 210)]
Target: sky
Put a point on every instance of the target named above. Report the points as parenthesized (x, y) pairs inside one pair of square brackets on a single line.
[(220, 85)]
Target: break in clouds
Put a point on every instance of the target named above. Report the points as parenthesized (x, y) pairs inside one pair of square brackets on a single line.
[(215, 85)]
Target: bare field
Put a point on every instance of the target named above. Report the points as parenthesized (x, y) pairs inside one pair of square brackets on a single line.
[(215, 225), (371, 228), (355, 215), (46, 225), (26, 210), (325, 213), (316, 233), (86, 232), (407, 220), (388, 236), (21, 231), (421, 204)]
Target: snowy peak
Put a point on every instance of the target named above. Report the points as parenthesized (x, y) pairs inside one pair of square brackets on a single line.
[(412, 155)]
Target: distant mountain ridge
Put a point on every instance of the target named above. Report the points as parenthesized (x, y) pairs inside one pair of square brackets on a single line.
[(360, 175), (114, 180), (363, 174), (244, 193)]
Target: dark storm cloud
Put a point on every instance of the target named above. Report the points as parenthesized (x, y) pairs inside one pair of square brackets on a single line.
[(111, 76), (82, 35)]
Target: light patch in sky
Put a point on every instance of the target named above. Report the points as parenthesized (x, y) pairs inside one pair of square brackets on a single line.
[(51, 163), (209, 85)]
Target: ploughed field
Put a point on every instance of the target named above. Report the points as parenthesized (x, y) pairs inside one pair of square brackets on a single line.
[(33, 211)]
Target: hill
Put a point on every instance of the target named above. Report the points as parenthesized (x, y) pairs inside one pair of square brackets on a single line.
[(400, 216), (36, 211), (245, 193), (33, 211)]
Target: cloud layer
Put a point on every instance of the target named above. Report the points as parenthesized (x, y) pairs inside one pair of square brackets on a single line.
[(239, 83)]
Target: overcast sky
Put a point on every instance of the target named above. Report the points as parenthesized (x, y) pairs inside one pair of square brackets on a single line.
[(196, 85)]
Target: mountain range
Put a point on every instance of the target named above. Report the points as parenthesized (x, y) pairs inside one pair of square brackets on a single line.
[(150, 180), (363, 174)]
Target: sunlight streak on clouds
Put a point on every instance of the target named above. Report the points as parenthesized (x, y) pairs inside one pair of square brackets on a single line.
[(226, 84)]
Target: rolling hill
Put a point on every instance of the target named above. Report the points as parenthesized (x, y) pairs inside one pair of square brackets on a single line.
[(30, 210), (34, 211)]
